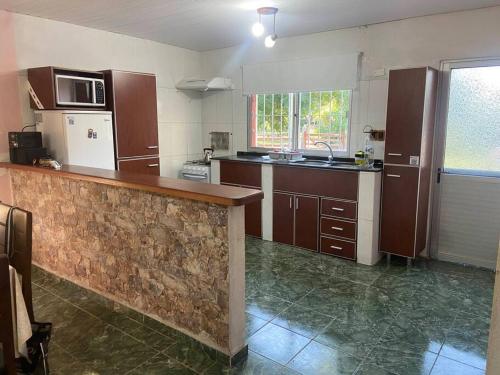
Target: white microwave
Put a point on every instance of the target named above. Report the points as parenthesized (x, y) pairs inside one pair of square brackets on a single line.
[(79, 91)]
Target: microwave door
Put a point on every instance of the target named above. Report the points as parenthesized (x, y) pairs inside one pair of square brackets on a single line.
[(72, 90)]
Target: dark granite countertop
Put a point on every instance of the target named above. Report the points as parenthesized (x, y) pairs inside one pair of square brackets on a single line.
[(307, 162)]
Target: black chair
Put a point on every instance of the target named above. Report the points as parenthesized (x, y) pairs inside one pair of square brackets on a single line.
[(15, 250)]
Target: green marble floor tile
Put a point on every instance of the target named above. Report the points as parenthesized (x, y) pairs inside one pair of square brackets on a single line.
[(398, 288), (367, 369), (192, 354), (446, 366), (301, 320), (355, 335), (265, 306), (317, 359), (277, 343), (467, 341), (253, 324), (151, 338), (161, 365), (398, 362), (356, 273), (409, 337)]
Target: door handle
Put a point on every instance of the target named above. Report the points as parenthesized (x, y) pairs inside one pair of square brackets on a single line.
[(335, 247), (152, 147), (291, 202), (393, 175), (338, 228), (297, 203), (153, 165), (394, 154), (337, 209), (439, 175)]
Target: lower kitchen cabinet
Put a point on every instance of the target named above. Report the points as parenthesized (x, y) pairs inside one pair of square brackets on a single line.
[(306, 222), (283, 214), (399, 210), (295, 220), (253, 219), (149, 166)]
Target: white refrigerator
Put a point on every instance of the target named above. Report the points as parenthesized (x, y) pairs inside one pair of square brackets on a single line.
[(83, 138)]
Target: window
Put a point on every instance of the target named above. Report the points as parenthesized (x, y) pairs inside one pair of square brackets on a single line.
[(320, 116), (473, 121)]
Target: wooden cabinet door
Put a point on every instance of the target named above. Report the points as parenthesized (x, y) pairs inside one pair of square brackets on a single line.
[(283, 212), (399, 209), (405, 111), (135, 115), (253, 219), (149, 166), (241, 173), (306, 222)]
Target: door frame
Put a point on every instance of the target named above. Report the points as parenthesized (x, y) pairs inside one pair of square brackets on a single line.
[(440, 138)]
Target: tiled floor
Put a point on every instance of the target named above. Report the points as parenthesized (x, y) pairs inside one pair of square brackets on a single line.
[(306, 314)]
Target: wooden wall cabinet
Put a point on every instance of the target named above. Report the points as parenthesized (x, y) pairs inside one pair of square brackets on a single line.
[(250, 176), (408, 158), (132, 98)]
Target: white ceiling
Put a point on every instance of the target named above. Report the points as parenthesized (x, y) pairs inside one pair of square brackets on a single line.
[(210, 24)]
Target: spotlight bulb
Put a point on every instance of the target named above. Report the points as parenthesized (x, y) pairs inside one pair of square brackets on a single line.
[(270, 40), (258, 29)]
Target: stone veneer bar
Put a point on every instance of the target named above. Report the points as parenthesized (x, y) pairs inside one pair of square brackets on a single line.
[(180, 261)]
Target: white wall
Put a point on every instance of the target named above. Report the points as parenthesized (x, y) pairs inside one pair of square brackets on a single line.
[(407, 43), (41, 42)]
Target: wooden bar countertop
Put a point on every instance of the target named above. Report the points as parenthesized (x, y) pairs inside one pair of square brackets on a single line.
[(197, 191)]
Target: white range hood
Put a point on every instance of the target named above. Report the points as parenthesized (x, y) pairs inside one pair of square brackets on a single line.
[(200, 84)]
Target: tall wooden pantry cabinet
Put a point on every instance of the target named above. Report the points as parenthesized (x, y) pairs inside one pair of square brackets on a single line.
[(132, 98), (407, 162)]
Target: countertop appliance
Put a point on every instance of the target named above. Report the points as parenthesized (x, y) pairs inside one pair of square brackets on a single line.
[(79, 91), (82, 138), (25, 146), (196, 170)]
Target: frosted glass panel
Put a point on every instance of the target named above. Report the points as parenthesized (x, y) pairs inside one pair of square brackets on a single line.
[(473, 127)]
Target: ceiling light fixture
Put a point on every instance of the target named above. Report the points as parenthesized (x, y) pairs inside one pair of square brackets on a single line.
[(258, 27)]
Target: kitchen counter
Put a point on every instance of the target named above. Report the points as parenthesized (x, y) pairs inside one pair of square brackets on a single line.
[(264, 159), (223, 195), (172, 250)]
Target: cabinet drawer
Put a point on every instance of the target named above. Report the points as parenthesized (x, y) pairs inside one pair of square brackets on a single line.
[(343, 209), (337, 247), (339, 228), (149, 166), (239, 173), (320, 182)]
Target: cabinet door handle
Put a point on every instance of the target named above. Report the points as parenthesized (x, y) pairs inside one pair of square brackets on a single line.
[(152, 147), (297, 203), (291, 202), (335, 247), (337, 228), (337, 209), (394, 154), (393, 175), (153, 165)]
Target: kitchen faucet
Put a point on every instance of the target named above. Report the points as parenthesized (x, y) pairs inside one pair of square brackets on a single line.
[(330, 157)]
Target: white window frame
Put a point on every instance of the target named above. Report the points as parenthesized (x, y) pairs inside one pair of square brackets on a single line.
[(295, 129)]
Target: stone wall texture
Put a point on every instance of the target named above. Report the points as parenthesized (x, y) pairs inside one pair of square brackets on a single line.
[(165, 257)]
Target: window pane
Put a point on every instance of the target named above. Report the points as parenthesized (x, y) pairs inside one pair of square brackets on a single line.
[(473, 123), (324, 116), (270, 127)]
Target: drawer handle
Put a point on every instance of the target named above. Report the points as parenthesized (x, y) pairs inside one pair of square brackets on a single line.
[(394, 154), (153, 165), (337, 209), (335, 247), (337, 228), (393, 175), (151, 147), (291, 202)]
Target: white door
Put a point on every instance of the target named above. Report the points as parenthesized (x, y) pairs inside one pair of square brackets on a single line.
[(466, 210), (89, 139)]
